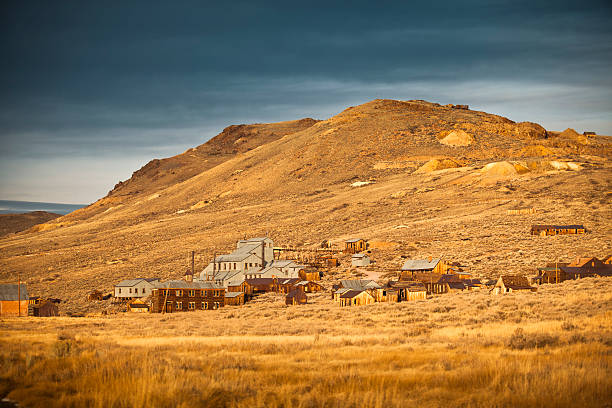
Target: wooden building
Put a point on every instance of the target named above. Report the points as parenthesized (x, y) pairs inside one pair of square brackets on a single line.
[(608, 260), (589, 133), (463, 107), (521, 211), (578, 269), (296, 297), (285, 285), (360, 260), (413, 267), (234, 298), (309, 286), (512, 283), (309, 274), (182, 296), (407, 291), (13, 300), (355, 245), (356, 298), (43, 307), (135, 288), (545, 230), (138, 306)]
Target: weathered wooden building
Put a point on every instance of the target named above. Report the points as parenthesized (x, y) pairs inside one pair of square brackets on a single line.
[(356, 298), (43, 307), (412, 267), (138, 306), (406, 291), (234, 298), (355, 245), (512, 283), (309, 274), (181, 296), (13, 300), (521, 211), (545, 230), (296, 297), (309, 286), (360, 260)]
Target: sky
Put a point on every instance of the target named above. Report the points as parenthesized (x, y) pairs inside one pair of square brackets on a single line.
[(91, 91)]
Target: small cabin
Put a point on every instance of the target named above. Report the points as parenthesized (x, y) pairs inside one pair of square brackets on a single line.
[(360, 260), (138, 306), (589, 133), (309, 286), (354, 297), (512, 283), (309, 274), (234, 298), (545, 230), (43, 308), (464, 107), (296, 297), (355, 245)]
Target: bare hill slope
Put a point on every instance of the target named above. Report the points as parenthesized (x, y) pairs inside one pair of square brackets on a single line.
[(297, 181)]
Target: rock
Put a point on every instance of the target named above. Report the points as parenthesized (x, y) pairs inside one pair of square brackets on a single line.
[(531, 130), (458, 138), (438, 164), (573, 135)]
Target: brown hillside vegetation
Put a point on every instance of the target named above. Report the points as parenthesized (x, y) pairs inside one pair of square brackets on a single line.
[(545, 349), (10, 223), (294, 182)]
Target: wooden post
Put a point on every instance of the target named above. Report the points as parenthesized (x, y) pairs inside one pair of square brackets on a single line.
[(193, 262), (165, 300), (19, 293)]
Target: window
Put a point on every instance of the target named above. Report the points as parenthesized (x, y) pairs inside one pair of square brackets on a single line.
[(203, 305), (234, 266), (135, 290), (179, 305), (216, 305), (130, 290), (191, 305), (119, 290), (144, 290), (191, 293), (179, 293)]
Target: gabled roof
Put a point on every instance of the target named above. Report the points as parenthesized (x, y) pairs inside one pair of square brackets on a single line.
[(359, 256), (550, 226), (360, 284), (354, 240), (259, 281), (515, 282), (131, 282), (420, 264), (233, 294), (591, 262), (288, 281), (575, 270), (10, 291), (349, 294), (179, 284), (342, 290)]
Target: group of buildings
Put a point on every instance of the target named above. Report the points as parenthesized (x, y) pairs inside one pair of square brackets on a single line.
[(15, 301)]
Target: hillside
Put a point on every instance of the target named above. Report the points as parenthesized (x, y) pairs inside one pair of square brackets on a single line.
[(294, 181), (10, 223)]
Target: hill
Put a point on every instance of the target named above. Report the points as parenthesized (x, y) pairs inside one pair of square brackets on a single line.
[(296, 181), (10, 223)]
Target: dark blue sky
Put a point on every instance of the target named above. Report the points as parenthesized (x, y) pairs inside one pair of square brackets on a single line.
[(90, 91)]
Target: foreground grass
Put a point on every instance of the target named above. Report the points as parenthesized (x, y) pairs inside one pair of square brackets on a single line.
[(550, 349)]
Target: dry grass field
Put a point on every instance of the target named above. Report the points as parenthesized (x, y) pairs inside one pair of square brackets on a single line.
[(551, 348)]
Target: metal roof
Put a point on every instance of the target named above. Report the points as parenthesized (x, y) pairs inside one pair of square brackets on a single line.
[(131, 282), (354, 240), (233, 294), (360, 284), (419, 264), (179, 284), (11, 292), (359, 256)]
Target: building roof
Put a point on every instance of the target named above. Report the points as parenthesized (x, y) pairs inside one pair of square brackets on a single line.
[(131, 282), (351, 293), (288, 281), (576, 270), (550, 226), (259, 281), (139, 306), (359, 256), (515, 282), (456, 285), (360, 284), (282, 263), (239, 254), (354, 240), (411, 286), (180, 284), (233, 294), (342, 290), (420, 264), (11, 292)]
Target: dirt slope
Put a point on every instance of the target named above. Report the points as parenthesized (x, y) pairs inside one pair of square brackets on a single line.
[(297, 186), (10, 223)]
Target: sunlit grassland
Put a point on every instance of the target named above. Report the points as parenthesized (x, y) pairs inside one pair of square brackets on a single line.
[(548, 349)]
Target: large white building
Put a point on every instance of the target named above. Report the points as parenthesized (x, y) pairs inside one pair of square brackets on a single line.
[(252, 258), (135, 288)]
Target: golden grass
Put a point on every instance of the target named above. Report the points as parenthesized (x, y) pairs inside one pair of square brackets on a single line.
[(545, 349)]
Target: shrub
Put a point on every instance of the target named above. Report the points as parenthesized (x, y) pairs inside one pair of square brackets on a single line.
[(521, 340)]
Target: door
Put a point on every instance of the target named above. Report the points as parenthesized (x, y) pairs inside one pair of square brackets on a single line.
[(169, 307)]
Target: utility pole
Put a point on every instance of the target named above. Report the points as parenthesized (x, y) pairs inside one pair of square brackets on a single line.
[(19, 292)]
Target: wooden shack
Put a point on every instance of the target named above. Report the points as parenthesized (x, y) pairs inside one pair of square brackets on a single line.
[(309, 286), (608, 260), (360, 260), (309, 274), (43, 308), (356, 298), (589, 133), (463, 107), (545, 230), (412, 267), (13, 300), (408, 291), (521, 211), (512, 283), (296, 297), (355, 245), (138, 306), (234, 298), (182, 296)]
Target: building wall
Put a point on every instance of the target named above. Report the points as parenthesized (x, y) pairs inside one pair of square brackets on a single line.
[(141, 289), (11, 307), (211, 299), (416, 295)]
